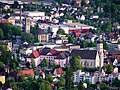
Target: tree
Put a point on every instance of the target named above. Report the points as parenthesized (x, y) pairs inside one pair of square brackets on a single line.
[(99, 31), (49, 78), (80, 86), (44, 63), (47, 86), (83, 3), (27, 37), (84, 44), (1, 34), (32, 63), (108, 68), (60, 31), (10, 30), (60, 83), (116, 83), (105, 46), (68, 79), (103, 86), (6, 56), (71, 39), (75, 63)]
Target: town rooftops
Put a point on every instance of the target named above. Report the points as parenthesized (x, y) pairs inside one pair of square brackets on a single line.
[(59, 71), (62, 55), (49, 52), (84, 54), (25, 72)]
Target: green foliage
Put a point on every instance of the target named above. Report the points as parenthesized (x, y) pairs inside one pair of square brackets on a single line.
[(105, 46), (60, 1), (61, 31), (27, 37), (93, 86), (1, 34), (6, 57), (1, 63), (86, 43), (116, 82), (49, 78), (10, 30), (103, 86), (90, 69), (7, 11), (34, 31), (80, 86), (44, 63), (99, 31), (70, 39), (61, 81), (108, 68), (75, 63), (68, 79)]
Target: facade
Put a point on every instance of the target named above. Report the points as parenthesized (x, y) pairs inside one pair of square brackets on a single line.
[(89, 58), (58, 72), (2, 79), (7, 43), (27, 25), (62, 59), (42, 36), (101, 54)]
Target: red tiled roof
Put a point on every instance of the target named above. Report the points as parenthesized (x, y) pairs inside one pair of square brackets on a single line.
[(41, 71), (59, 70), (36, 54), (26, 72), (46, 51)]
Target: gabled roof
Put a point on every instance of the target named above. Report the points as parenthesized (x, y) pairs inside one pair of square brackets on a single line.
[(25, 72), (35, 54), (49, 52), (59, 71), (84, 54), (6, 16), (62, 55)]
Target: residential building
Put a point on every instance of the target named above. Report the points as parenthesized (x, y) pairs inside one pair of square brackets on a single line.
[(42, 36), (2, 79), (58, 72), (62, 59), (26, 72), (7, 43), (10, 19)]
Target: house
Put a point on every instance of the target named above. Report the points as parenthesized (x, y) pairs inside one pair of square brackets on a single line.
[(62, 59), (10, 19), (89, 58), (39, 73), (42, 36), (34, 13), (58, 72), (25, 72), (2, 79), (58, 41), (35, 56), (7, 43), (82, 76)]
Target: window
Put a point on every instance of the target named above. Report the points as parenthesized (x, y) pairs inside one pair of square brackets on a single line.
[(91, 64)]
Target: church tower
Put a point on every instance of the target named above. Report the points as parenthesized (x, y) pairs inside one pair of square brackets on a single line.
[(100, 51), (27, 24)]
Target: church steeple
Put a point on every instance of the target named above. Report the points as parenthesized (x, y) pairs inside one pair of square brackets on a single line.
[(100, 51)]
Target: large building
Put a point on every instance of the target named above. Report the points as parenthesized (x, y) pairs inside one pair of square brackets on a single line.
[(89, 58)]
